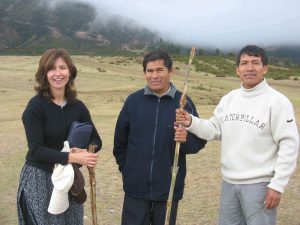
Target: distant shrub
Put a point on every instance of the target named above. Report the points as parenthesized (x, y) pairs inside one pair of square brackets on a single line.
[(110, 99), (101, 70), (199, 87), (279, 77)]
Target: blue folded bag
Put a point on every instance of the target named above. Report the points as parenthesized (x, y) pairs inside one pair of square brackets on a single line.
[(79, 135)]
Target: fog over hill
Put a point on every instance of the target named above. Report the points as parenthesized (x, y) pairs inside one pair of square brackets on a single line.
[(219, 24), (33, 26), (104, 27)]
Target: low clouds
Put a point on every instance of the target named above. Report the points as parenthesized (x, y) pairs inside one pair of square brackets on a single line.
[(217, 23)]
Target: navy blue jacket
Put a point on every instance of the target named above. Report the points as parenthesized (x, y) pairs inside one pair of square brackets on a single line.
[(144, 144)]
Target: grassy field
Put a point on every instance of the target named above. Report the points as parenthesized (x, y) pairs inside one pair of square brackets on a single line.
[(103, 84)]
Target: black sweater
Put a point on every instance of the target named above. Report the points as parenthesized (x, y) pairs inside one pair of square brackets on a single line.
[(47, 126)]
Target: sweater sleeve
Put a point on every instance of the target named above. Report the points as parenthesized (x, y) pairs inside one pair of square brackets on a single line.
[(33, 120), (286, 136), (208, 129), (95, 138)]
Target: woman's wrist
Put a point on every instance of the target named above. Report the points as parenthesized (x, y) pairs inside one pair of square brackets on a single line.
[(71, 158)]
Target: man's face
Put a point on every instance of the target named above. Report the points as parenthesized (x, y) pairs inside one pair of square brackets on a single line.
[(251, 70), (158, 76)]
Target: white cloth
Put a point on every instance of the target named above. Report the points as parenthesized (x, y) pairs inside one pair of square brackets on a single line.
[(258, 134), (62, 179)]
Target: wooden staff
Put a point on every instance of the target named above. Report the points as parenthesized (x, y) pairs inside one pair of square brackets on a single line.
[(91, 170), (176, 155)]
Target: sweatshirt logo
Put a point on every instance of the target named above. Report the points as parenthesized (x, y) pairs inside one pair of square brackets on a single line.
[(288, 121), (245, 119)]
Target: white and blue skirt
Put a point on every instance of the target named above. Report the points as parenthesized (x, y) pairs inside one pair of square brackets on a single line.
[(33, 199)]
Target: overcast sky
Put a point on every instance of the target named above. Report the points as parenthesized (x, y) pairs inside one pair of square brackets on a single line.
[(219, 23)]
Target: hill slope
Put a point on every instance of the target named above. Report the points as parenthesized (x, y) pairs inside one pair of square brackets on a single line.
[(31, 26)]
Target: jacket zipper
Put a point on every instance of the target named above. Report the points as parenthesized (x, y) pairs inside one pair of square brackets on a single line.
[(153, 147)]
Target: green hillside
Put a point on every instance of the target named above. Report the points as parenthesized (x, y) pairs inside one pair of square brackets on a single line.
[(31, 27), (224, 66)]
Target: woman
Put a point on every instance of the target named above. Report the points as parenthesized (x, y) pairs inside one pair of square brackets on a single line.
[(47, 120)]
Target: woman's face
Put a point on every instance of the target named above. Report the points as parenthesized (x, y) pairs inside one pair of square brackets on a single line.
[(59, 75)]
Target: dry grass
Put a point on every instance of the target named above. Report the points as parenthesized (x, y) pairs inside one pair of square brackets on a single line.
[(104, 94)]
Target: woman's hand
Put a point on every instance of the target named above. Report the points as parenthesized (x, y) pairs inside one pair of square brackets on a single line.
[(76, 150), (183, 118), (81, 156)]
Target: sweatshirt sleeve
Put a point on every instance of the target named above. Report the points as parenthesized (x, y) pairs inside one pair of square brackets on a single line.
[(208, 129), (286, 136), (33, 120)]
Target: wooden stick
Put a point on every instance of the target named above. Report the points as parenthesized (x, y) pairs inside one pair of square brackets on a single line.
[(91, 170), (176, 155), (173, 182)]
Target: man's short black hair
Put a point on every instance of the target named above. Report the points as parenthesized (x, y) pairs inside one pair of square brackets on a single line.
[(158, 55), (252, 50)]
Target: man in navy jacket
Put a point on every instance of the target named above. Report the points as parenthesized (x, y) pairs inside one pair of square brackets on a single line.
[(144, 145)]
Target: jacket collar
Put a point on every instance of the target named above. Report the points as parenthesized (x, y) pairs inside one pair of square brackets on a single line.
[(171, 92)]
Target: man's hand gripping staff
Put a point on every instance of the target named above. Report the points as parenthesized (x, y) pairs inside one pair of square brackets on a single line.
[(178, 139)]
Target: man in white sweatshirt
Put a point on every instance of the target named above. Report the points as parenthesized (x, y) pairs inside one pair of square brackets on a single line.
[(259, 141)]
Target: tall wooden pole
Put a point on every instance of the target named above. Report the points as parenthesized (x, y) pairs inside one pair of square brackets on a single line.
[(176, 155), (91, 170)]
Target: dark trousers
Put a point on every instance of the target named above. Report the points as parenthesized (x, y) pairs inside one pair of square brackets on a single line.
[(137, 211)]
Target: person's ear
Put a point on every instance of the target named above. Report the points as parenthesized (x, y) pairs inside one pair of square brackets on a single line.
[(237, 71), (265, 69)]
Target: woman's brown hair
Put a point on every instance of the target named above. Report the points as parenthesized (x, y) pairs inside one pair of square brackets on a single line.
[(46, 63)]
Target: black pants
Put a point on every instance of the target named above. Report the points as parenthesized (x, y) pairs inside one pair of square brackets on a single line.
[(137, 211)]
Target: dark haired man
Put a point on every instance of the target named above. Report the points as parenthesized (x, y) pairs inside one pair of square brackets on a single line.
[(144, 145), (258, 132)]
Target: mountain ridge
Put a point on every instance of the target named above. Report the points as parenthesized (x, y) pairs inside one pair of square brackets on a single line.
[(32, 26)]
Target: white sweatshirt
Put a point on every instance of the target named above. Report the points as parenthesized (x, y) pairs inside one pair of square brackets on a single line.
[(258, 134)]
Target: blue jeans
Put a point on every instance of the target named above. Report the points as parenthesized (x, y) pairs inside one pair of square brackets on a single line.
[(243, 204)]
